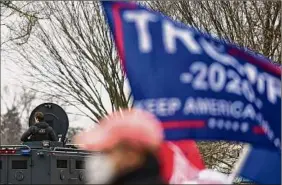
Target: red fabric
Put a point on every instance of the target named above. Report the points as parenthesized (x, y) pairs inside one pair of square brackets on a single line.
[(166, 156), (166, 161), (191, 151)]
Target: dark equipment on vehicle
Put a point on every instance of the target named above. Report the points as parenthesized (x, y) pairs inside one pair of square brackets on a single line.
[(44, 162)]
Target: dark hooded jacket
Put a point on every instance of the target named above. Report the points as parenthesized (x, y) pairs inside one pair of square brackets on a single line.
[(148, 173), (39, 132)]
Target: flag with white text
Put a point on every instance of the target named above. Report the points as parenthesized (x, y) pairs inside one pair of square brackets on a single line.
[(198, 86)]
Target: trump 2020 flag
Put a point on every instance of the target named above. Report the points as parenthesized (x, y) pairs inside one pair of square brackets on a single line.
[(199, 87)]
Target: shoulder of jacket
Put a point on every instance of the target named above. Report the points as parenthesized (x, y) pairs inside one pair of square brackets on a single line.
[(32, 127), (49, 128)]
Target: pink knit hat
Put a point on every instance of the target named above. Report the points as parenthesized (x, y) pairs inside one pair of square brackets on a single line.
[(136, 127)]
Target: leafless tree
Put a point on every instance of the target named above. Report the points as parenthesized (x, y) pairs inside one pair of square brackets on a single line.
[(23, 100), (15, 110), (10, 126), (72, 56), (220, 155), (24, 16), (252, 24)]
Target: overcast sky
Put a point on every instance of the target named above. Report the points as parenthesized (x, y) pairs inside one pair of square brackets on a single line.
[(12, 76)]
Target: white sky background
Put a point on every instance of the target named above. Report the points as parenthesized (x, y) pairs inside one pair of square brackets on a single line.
[(12, 76)]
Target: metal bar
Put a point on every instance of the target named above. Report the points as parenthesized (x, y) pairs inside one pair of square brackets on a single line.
[(68, 149), (65, 149), (66, 152), (15, 146), (74, 145)]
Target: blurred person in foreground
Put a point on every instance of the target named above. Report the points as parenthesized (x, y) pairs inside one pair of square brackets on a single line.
[(133, 152), (129, 142)]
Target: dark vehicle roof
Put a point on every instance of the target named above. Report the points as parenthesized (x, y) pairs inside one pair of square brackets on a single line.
[(55, 116)]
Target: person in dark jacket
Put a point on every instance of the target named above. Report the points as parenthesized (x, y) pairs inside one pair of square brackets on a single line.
[(40, 131), (128, 142)]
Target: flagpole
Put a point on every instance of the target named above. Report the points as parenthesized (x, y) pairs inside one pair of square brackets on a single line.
[(240, 163)]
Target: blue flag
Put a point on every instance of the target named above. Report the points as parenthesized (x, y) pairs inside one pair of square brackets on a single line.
[(262, 166), (199, 87)]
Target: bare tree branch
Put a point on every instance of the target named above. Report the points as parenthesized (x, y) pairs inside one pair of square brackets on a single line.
[(73, 55)]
